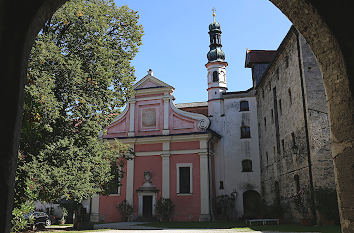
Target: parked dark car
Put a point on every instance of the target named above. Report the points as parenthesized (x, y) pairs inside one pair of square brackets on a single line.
[(41, 219)]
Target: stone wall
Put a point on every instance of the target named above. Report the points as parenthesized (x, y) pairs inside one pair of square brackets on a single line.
[(284, 145), (318, 120)]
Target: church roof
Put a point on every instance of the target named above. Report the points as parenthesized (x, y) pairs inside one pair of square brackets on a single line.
[(195, 107), (192, 104), (259, 56)]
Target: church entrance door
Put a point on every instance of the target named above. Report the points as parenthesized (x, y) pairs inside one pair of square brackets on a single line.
[(147, 206)]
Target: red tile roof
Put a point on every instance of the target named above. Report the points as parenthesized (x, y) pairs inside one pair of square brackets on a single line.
[(196, 107), (259, 56)]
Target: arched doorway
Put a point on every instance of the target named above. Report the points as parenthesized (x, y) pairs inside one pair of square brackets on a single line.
[(320, 22), (251, 204)]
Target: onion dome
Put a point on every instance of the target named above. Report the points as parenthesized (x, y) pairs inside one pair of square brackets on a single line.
[(215, 53), (214, 26)]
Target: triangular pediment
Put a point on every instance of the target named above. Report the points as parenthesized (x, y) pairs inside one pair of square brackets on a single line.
[(150, 81)]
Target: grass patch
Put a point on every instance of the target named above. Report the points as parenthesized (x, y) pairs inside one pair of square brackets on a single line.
[(298, 228), (241, 226), (196, 225), (72, 231), (62, 225)]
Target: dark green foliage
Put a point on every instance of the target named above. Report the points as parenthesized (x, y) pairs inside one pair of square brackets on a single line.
[(79, 75), (18, 221), (224, 207), (327, 204), (25, 193), (125, 210), (164, 208)]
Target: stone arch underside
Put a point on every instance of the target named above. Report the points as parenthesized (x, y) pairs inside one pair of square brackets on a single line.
[(322, 23)]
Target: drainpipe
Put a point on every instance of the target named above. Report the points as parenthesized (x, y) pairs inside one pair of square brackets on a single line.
[(313, 208)]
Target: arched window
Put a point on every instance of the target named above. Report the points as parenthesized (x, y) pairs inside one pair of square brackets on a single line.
[(246, 165), (221, 185), (244, 106), (245, 132), (215, 76)]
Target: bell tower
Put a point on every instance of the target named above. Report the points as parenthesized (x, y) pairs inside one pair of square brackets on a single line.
[(216, 67)]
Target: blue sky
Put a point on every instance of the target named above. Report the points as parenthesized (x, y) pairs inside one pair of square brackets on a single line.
[(176, 40)]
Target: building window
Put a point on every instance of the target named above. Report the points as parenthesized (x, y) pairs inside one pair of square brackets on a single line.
[(290, 98), (280, 107), (277, 73), (272, 113), (297, 182), (293, 138), (244, 106), (247, 165), (245, 132), (262, 93), (215, 76), (267, 157), (265, 123), (283, 145), (221, 186), (286, 61), (115, 184), (274, 151), (269, 86), (277, 192), (184, 178)]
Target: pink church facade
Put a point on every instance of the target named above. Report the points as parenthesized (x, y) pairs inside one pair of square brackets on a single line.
[(171, 156)]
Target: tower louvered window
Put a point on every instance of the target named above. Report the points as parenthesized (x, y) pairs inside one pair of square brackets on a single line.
[(215, 76)]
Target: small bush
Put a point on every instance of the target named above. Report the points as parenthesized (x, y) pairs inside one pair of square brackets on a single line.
[(18, 221), (225, 206), (164, 208), (125, 210)]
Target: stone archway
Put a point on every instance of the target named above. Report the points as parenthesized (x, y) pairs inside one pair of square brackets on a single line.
[(251, 204), (322, 23)]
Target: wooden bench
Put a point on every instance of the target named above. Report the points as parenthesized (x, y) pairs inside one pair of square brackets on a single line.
[(263, 220)]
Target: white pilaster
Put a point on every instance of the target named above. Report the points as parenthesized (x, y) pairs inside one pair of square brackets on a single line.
[(203, 144), (95, 205), (130, 181), (131, 118), (166, 101), (166, 170), (204, 187)]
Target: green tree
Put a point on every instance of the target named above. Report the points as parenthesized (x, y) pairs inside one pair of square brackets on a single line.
[(79, 76)]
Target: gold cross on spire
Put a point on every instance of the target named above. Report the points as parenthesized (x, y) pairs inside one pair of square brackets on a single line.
[(213, 13)]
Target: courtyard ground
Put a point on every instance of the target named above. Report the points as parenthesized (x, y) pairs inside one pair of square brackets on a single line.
[(193, 227)]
